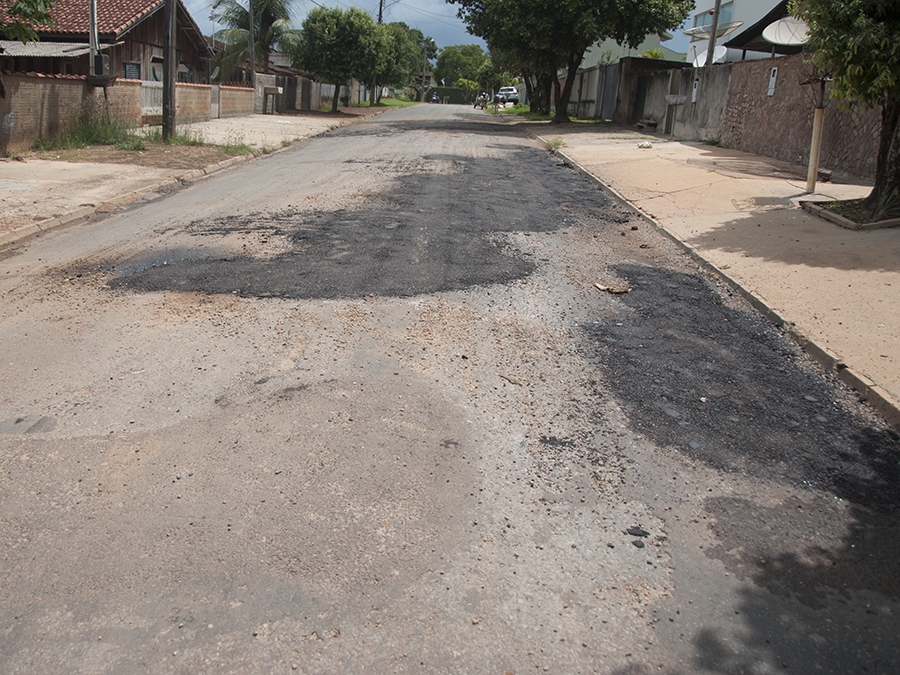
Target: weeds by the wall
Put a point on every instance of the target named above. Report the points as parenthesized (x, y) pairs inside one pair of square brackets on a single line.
[(94, 127)]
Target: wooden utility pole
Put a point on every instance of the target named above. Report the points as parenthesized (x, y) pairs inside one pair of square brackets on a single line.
[(372, 96), (169, 70)]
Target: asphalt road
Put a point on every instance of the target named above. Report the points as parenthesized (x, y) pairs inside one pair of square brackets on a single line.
[(415, 396)]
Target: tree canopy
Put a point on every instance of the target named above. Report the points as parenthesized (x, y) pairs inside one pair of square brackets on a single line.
[(337, 45), (400, 56), (18, 18), (857, 42), (550, 35), (459, 61), (272, 28)]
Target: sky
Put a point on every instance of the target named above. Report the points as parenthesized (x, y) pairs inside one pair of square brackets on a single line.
[(435, 18)]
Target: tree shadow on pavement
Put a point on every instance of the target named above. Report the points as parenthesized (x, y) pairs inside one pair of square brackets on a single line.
[(777, 233)]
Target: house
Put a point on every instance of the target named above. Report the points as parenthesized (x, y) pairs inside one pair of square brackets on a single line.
[(737, 20), (131, 39), (609, 51)]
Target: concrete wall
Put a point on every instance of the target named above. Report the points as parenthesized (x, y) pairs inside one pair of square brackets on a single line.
[(700, 117)]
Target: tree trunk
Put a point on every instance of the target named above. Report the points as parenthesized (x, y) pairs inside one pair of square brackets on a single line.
[(562, 98), (530, 91), (887, 170), (336, 98), (546, 83)]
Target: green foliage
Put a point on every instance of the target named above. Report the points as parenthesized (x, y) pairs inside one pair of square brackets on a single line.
[(22, 16), (272, 28), (336, 45), (544, 36), (858, 43), (458, 61), (400, 55), (655, 53), (469, 86)]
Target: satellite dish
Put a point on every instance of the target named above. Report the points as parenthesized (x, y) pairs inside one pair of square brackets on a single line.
[(719, 54), (788, 31)]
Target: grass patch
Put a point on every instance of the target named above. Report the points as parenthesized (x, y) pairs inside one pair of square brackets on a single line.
[(236, 149), (555, 144)]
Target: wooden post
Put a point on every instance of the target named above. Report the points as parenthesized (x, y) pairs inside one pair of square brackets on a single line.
[(169, 70), (815, 147)]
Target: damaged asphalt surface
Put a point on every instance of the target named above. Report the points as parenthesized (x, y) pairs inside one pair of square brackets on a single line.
[(362, 406)]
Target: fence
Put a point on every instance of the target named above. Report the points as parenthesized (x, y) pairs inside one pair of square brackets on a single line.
[(42, 106)]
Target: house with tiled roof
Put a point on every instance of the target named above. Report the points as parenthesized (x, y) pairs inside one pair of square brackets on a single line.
[(131, 38)]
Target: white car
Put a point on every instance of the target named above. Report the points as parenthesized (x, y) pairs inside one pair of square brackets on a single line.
[(511, 94)]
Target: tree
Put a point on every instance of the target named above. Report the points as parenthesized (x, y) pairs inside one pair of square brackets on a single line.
[(337, 45), (400, 60), (558, 32), (857, 42), (458, 61), (18, 20), (272, 28)]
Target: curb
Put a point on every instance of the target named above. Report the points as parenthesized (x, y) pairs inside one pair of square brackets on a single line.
[(874, 394), (19, 234)]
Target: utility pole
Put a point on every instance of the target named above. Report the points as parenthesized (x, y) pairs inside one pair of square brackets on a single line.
[(169, 69), (372, 94), (424, 65), (94, 38), (713, 29), (252, 38)]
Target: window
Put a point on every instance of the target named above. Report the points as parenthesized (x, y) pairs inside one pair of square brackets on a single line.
[(705, 18), (131, 70)]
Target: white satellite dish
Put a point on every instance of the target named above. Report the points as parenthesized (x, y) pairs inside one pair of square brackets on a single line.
[(788, 31), (719, 54)]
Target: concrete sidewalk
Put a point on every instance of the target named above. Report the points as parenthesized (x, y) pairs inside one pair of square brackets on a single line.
[(836, 290)]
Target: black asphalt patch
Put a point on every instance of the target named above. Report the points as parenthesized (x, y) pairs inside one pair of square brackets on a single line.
[(433, 232), (727, 388)]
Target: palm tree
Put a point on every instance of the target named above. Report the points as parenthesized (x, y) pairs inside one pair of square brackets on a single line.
[(271, 26)]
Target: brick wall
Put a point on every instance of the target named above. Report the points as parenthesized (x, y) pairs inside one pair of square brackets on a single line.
[(124, 100), (235, 101), (780, 125), (192, 102), (38, 106)]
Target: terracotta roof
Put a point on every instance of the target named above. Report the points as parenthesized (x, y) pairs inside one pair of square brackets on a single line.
[(113, 16)]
